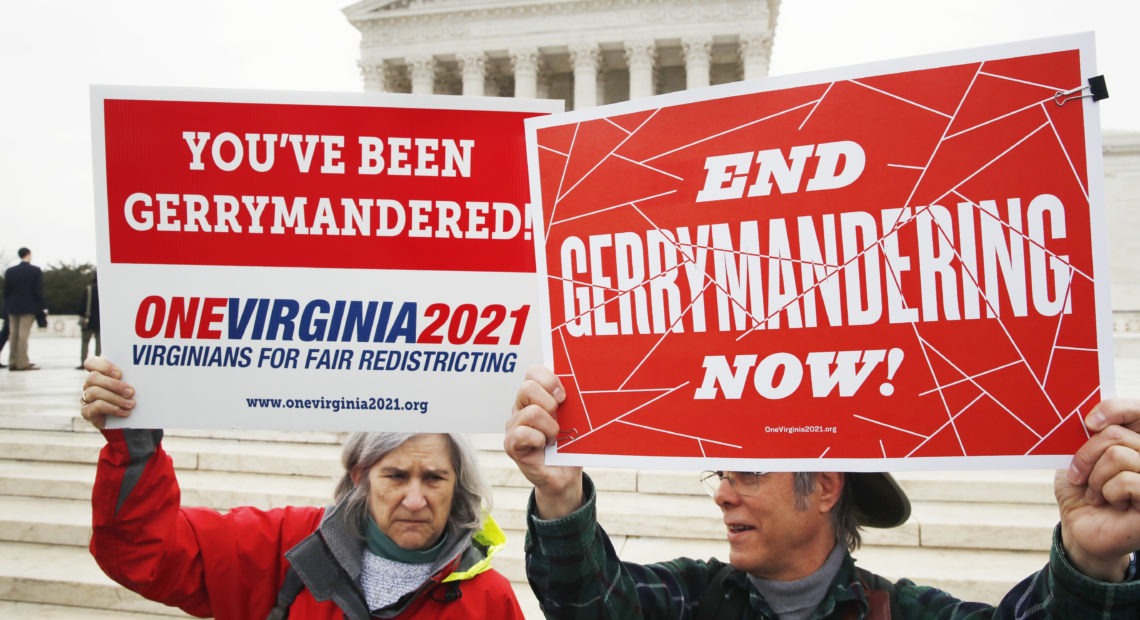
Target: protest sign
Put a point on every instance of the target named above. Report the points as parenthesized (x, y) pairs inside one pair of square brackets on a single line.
[(331, 261), (895, 265)]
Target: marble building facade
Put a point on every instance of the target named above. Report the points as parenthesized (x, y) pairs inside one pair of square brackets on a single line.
[(586, 52), (593, 52)]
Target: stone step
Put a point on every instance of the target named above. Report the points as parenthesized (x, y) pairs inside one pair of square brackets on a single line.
[(64, 523), (235, 452), (1027, 527), (27, 611), (47, 458), (64, 578), (939, 524), (189, 453), (199, 488), (45, 520), (67, 575), (935, 523)]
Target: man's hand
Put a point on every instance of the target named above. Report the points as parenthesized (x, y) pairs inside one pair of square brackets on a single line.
[(1099, 495), (104, 393), (532, 427)]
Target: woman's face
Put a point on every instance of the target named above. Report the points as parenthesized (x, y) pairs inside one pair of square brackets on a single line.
[(412, 490)]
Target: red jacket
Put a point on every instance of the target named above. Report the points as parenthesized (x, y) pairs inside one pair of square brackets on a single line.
[(232, 565)]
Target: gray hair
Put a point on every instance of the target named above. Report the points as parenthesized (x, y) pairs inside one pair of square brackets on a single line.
[(363, 450), (842, 517)]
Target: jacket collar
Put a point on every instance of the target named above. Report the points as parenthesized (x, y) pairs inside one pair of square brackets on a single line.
[(845, 589), (333, 550)]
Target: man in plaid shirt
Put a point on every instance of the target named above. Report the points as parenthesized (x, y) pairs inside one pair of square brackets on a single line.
[(791, 535)]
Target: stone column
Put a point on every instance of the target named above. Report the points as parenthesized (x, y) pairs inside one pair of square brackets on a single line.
[(524, 61), (584, 58), (755, 54), (543, 83), (422, 69), (473, 66), (698, 51), (601, 71), (640, 55), (373, 74)]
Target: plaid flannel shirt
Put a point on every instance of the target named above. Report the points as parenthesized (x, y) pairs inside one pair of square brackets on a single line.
[(575, 573)]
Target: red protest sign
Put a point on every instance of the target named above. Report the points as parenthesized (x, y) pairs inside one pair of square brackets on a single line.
[(877, 265)]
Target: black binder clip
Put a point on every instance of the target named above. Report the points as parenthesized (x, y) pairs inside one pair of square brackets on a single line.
[(1097, 90)]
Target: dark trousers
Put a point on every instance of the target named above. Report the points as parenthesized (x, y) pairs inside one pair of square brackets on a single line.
[(85, 336)]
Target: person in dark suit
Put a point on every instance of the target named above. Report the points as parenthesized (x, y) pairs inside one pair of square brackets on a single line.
[(3, 330), (24, 295), (89, 320)]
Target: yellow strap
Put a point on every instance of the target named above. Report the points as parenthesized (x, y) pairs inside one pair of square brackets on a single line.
[(493, 538)]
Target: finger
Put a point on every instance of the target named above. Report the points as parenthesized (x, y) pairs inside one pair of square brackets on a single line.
[(1122, 491), (1094, 448), (548, 380), (104, 393), (523, 441), (1121, 411), (119, 400), (103, 366), (89, 411), (1115, 467), (108, 383), (96, 413), (538, 417), (97, 420), (541, 420), (532, 393)]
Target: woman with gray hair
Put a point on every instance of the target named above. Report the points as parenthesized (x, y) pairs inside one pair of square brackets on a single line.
[(407, 535)]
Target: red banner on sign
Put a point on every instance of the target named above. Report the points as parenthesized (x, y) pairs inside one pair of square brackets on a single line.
[(283, 185), (891, 265)]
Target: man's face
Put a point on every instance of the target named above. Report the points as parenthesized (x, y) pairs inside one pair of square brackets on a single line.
[(768, 536), (412, 489)]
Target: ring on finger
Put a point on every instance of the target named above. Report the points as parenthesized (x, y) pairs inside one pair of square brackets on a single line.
[(83, 398)]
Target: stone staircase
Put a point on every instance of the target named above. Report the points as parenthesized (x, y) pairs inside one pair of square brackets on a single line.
[(974, 534)]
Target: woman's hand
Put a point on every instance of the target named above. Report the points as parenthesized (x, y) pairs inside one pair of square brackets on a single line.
[(104, 393)]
